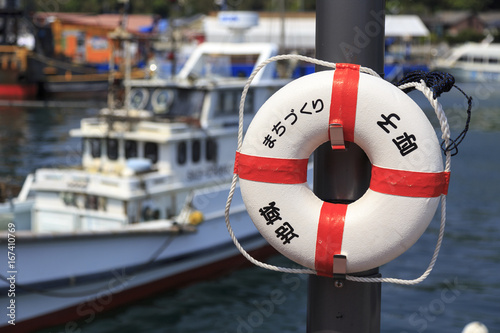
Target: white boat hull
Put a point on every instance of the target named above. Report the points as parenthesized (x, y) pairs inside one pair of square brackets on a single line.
[(69, 277), (470, 75), (472, 62)]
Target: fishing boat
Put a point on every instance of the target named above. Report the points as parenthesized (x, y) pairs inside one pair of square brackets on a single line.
[(472, 62), (144, 211), (16, 43)]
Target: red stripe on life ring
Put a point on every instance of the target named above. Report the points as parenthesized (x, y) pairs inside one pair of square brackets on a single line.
[(271, 170), (409, 183), (329, 237), (345, 98)]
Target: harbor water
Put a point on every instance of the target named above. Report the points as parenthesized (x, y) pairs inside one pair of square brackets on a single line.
[(463, 287)]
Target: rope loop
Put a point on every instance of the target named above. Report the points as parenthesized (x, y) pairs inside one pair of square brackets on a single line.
[(438, 83)]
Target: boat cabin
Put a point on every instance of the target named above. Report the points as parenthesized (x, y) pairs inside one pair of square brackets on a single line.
[(144, 163)]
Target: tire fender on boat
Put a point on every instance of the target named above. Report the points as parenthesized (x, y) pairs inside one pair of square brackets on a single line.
[(407, 175)]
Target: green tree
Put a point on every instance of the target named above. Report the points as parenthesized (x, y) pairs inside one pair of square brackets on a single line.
[(474, 5), (191, 7)]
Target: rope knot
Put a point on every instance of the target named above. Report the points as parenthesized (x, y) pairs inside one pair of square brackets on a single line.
[(438, 82)]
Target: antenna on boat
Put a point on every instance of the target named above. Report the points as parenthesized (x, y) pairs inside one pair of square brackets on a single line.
[(338, 305), (238, 22), (121, 36)]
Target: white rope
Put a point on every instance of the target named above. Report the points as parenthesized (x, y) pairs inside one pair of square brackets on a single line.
[(445, 136)]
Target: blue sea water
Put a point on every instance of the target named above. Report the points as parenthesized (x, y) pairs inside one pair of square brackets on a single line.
[(463, 287)]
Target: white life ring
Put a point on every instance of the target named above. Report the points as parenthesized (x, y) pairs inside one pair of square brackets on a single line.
[(138, 98), (161, 100), (407, 170)]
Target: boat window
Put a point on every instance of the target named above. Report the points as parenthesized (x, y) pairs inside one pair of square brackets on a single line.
[(224, 65), (229, 102), (463, 58), (151, 151), (95, 147), (185, 103), (150, 214), (493, 60), (91, 202), (249, 103), (477, 59), (68, 198), (181, 152), (242, 65), (211, 150), (196, 151), (112, 148), (130, 148)]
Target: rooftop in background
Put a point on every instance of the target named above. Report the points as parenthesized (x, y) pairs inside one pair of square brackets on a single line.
[(405, 26), (492, 19), (299, 30), (135, 23), (453, 22)]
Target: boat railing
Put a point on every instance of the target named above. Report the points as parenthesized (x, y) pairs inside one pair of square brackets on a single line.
[(81, 181), (93, 125), (25, 190), (72, 180)]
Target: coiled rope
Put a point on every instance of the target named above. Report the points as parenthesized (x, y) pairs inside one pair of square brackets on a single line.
[(422, 86), (440, 82)]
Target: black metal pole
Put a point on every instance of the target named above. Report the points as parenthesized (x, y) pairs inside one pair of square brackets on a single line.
[(350, 31)]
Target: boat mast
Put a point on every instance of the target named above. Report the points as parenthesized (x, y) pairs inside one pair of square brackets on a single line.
[(122, 38), (350, 32), (111, 78), (126, 46)]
